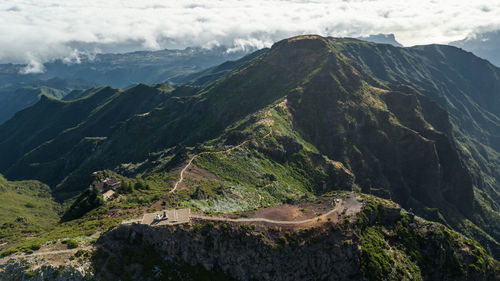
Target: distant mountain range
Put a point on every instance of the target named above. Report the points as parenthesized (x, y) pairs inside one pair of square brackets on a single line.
[(59, 78), (382, 39), (419, 124), (483, 44), (307, 118)]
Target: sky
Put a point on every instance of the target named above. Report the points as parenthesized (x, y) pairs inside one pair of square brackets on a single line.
[(37, 31)]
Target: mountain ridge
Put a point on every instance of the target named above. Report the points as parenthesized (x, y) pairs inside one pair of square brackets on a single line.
[(342, 107)]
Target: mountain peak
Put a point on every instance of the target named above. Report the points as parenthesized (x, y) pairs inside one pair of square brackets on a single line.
[(303, 41), (382, 39)]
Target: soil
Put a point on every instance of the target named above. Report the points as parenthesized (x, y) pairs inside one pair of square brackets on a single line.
[(195, 173)]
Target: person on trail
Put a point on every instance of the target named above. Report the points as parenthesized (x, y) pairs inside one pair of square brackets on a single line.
[(157, 218), (165, 215)]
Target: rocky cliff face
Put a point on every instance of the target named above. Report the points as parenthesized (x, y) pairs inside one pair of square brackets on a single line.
[(387, 142), (383, 243), (391, 137), (20, 270), (246, 256)]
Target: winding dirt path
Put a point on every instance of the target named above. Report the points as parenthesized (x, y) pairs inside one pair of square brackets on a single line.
[(181, 176), (351, 205), (41, 253), (58, 252), (334, 210)]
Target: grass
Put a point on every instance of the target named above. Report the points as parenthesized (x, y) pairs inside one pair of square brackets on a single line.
[(74, 232), (26, 209), (376, 260), (248, 178), (399, 250)]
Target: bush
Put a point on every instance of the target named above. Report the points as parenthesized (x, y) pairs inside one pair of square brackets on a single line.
[(72, 244), (80, 253), (141, 184), (376, 260), (126, 187), (283, 240), (88, 200), (198, 226)]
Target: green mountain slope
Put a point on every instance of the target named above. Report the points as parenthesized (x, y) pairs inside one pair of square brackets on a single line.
[(212, 74), (18, 95), (19, 90), (12, 101), (26, 210), (308, 116), (84, 124)]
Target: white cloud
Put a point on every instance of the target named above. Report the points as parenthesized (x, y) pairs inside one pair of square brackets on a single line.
[(34, 65), (35, 31)]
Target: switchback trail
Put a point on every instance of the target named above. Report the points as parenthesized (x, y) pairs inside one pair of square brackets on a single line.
[(181, 177)]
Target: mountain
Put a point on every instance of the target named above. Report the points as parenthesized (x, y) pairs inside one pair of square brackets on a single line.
[(212, 74), (123, 70), (72, 131), (309, 117), (26, 208), (382, 39), (389, 245), (19, 90), (19, 98), (482, 44), (14, 97)]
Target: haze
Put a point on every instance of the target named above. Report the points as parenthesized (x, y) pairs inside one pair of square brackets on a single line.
[(36, 31)]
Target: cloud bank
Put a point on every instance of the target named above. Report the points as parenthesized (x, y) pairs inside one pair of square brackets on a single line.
[(36, 31)]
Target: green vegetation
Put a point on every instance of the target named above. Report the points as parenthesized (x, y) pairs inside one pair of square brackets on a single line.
[(303, 119), (377, 260), (14, 98), (88, 200), (77, 231), (404, 247), (26, 209), (72, 244)]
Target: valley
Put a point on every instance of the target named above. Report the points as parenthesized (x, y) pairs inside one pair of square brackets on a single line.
[(319, 158)]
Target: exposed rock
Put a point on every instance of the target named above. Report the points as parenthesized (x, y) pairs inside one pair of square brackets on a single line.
[(381, 234), (21, 220), (290, 145), (246, 256), (20, 270)]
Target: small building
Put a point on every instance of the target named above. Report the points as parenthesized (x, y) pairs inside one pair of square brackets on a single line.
[(108, 184), (108, 195)]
